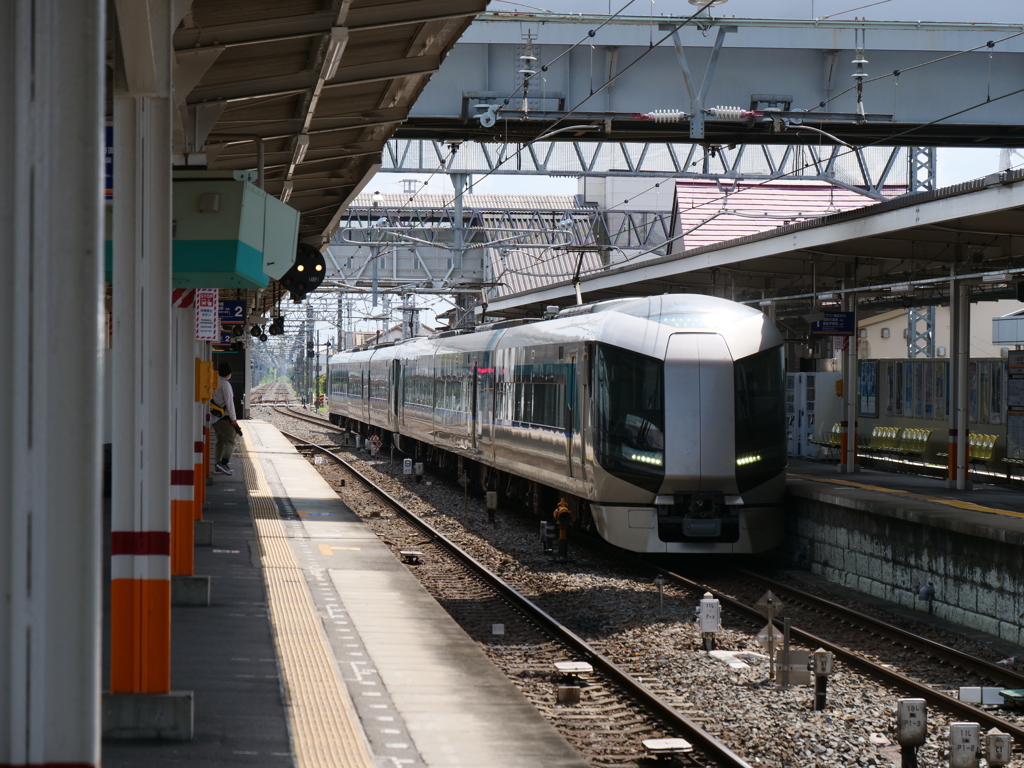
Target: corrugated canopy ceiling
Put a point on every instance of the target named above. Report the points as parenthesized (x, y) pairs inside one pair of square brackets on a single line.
[(265, 68)]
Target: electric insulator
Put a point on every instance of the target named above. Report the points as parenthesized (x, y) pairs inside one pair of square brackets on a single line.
[(667, 115), (727, 113), (527, 72)]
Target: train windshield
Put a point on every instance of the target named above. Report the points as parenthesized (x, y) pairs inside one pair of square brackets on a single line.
[(760, 418), (630, 416)]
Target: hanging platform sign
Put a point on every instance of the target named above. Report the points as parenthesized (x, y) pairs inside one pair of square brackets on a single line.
[(207, 322), (232, 313), (834, 324)]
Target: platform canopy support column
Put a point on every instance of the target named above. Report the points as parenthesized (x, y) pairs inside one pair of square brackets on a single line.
[(140, 595), (960, 342), (182, 472), (848, 459), (51, 144)]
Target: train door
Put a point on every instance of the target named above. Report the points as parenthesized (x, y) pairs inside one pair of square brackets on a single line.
[(396, 389), (575, 407), (474, 409)]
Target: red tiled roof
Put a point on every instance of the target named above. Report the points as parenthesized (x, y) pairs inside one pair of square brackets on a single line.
[(724, 212)]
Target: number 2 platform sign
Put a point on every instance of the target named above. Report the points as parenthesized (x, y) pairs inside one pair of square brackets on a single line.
[(232, 313)]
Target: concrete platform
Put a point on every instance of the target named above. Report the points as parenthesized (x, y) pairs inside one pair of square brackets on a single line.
[(222, 653), (424, 692), (892, 535)]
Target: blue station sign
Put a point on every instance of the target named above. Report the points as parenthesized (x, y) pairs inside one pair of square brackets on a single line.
[(232, 313), (834, 324)]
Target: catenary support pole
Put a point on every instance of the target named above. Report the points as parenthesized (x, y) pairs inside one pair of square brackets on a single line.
[(963, 356), (140, 593), (51, 144), (848, 462), (954, 380)]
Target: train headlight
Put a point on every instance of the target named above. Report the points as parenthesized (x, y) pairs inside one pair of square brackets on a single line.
[(643, 457), (742, 461)]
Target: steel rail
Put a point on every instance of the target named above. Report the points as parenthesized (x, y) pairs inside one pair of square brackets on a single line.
[(965, 712), (1007, 677), (694, 733)]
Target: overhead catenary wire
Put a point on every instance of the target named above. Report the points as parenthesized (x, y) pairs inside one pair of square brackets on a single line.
[(879, 142), (896, 73)]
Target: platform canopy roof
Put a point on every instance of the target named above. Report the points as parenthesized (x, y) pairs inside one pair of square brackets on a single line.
[(324, 83), (898, 253)]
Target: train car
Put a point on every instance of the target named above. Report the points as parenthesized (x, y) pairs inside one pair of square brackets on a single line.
[(661, 420)]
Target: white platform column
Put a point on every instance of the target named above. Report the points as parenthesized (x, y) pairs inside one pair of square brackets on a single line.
[(960, 341), (142, 371), (51, 145), (848, 459)]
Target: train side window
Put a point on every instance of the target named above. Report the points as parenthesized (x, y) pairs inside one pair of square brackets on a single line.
[(760, 384), (630, 416)]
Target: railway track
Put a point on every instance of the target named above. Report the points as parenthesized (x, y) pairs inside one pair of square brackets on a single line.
[(272, 394), (860, 624), (888, 654), (614, 704)]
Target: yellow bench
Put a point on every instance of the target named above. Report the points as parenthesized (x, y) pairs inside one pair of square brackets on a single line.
[(914, 442), (980, 448), (884, 439), (832, 439)]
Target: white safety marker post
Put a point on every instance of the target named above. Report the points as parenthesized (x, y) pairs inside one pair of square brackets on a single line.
[(417, 469), (492, 505), (911, 729), (964, 745), (659, 582), (406, 466), (822, 662), (998, 746), (710, 620)]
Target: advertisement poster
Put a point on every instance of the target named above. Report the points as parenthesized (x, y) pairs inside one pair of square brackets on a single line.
[(908, 388), (918, 390), (940, 390), (890, 389), (867, 401), (929, 390), (972, 392), (898, 388)]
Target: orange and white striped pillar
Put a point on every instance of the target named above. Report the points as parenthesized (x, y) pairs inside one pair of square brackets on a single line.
[(142, 374), (183, 470)]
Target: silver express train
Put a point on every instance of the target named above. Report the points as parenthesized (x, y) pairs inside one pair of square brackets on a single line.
[(661, 420)]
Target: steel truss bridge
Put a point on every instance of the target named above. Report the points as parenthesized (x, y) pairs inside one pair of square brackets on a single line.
[(866, 170)]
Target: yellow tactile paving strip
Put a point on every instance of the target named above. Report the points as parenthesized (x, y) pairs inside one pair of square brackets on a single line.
[(324, 727), (934, 499)]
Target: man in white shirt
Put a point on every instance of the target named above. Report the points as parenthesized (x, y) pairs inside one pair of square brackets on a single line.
[(226, 427)]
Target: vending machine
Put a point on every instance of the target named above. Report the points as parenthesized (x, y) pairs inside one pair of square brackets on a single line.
[(811, 401)]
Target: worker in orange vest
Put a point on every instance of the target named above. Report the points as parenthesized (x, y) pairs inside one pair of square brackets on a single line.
[(563, 519)]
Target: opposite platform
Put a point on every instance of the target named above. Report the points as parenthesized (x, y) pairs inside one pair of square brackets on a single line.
[(986, 511), (370, 663)]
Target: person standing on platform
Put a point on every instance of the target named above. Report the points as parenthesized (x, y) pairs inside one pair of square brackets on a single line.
[(222, 406)]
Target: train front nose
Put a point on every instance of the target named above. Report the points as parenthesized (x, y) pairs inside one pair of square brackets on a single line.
[(699, 422)]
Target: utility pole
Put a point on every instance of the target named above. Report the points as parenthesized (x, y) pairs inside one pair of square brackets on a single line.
[(308, 370)]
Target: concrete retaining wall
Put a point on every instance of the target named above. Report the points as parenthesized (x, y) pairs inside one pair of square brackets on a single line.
[(891, 550)]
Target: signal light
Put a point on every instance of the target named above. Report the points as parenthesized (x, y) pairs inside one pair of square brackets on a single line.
[(256, 331), (306, 274)]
